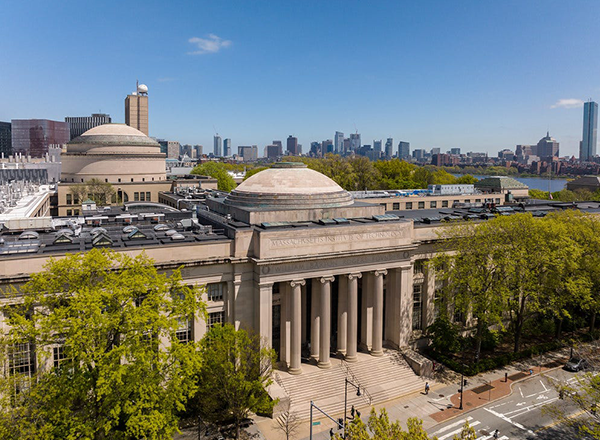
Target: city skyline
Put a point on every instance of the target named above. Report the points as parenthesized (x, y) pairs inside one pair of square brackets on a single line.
[(450, 77)]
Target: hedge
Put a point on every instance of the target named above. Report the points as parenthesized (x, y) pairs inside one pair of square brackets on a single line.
[(493, 362)]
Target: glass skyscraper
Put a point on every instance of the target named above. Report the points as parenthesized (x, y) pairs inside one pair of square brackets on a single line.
[(587, 149)]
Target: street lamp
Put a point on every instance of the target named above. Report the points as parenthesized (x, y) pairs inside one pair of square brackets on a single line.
[(346, 400), (462, 385), (338, 422)]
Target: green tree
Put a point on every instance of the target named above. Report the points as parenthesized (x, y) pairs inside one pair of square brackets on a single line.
[(466, 179), (471, 266), (253, 171), (108, 323), (232, 381), (395, 174), (442, 177), (379, 427), (467, 433), (217, 170), (539, 194), (444, 335), (367, 176), (100, 192)]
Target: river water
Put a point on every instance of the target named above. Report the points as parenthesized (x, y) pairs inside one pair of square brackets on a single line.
[(536, 182)]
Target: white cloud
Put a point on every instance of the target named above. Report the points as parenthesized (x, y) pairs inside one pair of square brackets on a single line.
[(212, 44), (568, 103)]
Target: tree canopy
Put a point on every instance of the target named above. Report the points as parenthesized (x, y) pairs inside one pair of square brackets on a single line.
[(217, 170), (109, 334)]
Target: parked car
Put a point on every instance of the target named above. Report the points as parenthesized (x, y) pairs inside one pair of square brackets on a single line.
[(576, 364)]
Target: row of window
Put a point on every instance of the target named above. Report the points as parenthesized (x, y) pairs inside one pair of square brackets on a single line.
[(432, 204), (119, 180), (72, 212), (141, 197)]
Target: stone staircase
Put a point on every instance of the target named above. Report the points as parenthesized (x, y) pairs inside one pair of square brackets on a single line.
[(382, 379)]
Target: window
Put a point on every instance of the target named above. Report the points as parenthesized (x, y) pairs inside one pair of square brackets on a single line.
[(142, 197), (69, 212), (184, 332), (58, 355), (497, 201), (467, 200), (444, 203), (136, 196), (21, 359), (132, 179), (76, 212), (433, 204), (215, 318), (215, 291), (143, 179), (417, 304), (477, 200), (69, 199), (106, 180), (421, 205), (418, 266), (384, 205), (396, 206), (119, 180), (147, 196), (409, 205)]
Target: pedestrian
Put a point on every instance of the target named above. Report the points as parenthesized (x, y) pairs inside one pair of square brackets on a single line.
[(426, 388), (496, 434)]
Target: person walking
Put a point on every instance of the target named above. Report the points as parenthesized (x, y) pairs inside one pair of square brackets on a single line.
[(426, 388), (496, 434)]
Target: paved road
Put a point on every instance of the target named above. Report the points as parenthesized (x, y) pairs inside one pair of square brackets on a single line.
[(518, 416)]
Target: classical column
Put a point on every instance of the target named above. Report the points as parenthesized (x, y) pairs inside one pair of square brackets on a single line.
[(315, 319), (284, 323), (406, 305), (296, 328), (263, 312), (377, 345), (352, 344), (428, 301), (304, 314), (342, 315), (325, 335), (393, 283), (366, 316)]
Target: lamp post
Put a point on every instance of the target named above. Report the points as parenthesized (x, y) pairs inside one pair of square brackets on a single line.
[(337, 422), (346, 400)]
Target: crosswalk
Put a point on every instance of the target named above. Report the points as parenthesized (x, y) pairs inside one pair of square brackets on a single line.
[(449, 431)]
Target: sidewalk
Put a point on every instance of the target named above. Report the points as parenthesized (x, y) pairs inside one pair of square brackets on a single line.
[(443, 400)]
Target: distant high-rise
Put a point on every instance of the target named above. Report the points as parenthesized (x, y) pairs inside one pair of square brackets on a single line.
[(403, 150), (248, 153), (292, 146), (218, 146), (80, 124), (547, 148), (338, 142), (33, 137), (355, 142), (198, 149), (5, 139), (455, 151), (587, 148), (227, 147), (327, 146), (136, 109), (274, 151), (436, 150), (389, 148), (173, 149), (377, 149)]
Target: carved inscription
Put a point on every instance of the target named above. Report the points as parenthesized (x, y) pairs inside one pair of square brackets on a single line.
[(305, 266), (344, 238)]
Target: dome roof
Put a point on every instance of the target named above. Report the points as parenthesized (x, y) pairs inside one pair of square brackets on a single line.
[(113, 134), (289, 185)]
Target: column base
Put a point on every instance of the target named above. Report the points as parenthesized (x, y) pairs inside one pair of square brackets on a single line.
[(351, 358), (377, 353), (295, 371), (324, 365)]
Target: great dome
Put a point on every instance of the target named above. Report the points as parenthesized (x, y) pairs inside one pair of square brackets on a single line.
[(114, 153), (289, 185)]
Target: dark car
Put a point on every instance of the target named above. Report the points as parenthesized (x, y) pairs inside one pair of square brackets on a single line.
[(576, 364)]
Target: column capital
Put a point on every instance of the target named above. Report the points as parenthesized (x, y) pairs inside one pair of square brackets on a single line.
[(265, 284), (380, 272), (327, 279), (295, 283), (355, 275)]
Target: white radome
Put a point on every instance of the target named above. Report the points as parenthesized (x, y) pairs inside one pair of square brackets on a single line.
[(142, 88)]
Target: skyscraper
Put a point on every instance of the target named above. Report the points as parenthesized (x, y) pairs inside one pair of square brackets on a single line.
[(218, 146), (173, 150), (227, 147), (389, 148), (80, 124), (547, 148), (403, 150), (377, 149), (292, 146), (587, 148), (338, 142), (355, 142), (34, 136), (136, 109), (5, 139), (248, 153)]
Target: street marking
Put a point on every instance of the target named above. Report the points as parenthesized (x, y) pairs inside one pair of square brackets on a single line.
[(529, 408), (545, 389), (572, 416), (457, 431), (521, 391), (453, 425), (506, 419)]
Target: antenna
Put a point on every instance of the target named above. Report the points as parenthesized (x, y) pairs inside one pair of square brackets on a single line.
[(215, 130)]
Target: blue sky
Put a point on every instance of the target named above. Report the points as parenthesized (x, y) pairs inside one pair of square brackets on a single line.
[(479, 75)]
